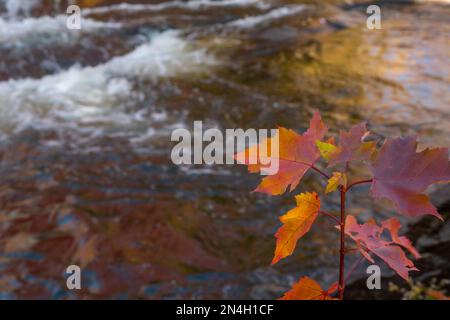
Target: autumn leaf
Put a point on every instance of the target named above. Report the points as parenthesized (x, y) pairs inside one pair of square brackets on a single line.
[(326, 149), (351, 146), (338, 178), (308, 289), (393, 225), (401, 175), (297, 153), (296, 223), (368, 238)]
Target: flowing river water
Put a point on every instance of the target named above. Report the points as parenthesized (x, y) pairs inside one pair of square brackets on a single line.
[(86, 117)]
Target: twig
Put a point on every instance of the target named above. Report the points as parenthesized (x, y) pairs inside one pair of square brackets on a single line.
[(342, 247), (330, 216), (359, 182)]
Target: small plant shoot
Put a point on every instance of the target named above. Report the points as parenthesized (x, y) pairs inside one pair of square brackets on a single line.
[(399, 173)]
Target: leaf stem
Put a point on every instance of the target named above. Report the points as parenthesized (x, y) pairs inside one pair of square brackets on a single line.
[(320, 171), (353, 268), (359, 182), (342, 246), (311, 165), (330, 216)]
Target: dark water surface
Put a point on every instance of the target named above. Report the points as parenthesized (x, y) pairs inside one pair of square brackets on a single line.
[(86, 118)]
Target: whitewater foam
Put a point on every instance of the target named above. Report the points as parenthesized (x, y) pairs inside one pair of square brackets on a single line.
[(189, 5), (14, 30), (87, 97)]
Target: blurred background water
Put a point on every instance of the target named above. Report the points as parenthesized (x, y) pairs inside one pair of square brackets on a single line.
[(86, 117)]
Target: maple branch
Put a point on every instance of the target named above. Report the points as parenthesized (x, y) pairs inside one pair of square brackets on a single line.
[(330, 216), (359, 182), (342, 249)]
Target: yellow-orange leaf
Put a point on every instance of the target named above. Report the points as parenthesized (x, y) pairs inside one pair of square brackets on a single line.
[(296, 223), (338, 178), (326, 149), (307, 289)]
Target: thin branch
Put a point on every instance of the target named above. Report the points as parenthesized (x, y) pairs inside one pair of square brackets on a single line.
[(342, 247), (330, 216), (359, 182)]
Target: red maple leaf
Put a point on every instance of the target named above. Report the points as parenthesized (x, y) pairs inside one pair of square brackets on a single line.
[(401, 175), (351, 147), (393, 225), (368, 238)]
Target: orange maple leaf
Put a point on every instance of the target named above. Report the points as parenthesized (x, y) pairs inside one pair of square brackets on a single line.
[(307, 289), (296, 223), (297, 153)]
